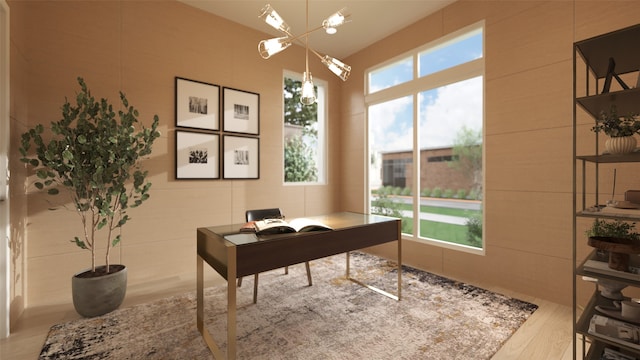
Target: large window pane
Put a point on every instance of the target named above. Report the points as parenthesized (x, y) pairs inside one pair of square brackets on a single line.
[(455, 52), (451, 162), (435, 184), (391, 165)]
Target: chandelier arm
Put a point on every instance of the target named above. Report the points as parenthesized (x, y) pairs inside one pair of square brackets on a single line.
[(298, 37), (317, 54)]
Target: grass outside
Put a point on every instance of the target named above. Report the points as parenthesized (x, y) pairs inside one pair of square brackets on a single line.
[(452, 233)]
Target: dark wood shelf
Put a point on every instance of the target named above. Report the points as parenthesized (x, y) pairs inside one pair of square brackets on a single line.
[(596, 54), (582, 327), (626, 101), (581, 271), (599, 215), (621, 45), (611, 158)]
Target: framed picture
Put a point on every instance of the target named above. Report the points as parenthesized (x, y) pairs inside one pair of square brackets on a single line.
[(241, 157), (197, 105), (197, 155), (241, 111)]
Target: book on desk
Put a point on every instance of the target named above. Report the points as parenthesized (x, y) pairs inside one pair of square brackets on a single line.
[(278, 226)]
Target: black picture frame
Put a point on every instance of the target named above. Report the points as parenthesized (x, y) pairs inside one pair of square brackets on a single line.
[(197, 155), (241, 157), (240, 111), (197, 104)]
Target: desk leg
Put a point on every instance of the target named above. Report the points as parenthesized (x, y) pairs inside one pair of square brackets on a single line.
[(199, 294), (370, 287), (215, 350), (399, 267), (231, 303), (348, 265)]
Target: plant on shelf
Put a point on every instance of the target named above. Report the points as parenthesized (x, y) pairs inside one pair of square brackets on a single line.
[(615, 125), (618, 238), (94, 154), (620, 129), (613, 229)]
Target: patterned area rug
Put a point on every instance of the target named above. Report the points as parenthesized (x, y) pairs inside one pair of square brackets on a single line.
[(333, 319)]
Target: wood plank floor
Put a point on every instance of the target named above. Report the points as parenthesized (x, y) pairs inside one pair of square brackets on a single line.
[(545, 335)]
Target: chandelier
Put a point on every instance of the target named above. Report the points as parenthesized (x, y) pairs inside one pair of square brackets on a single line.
[(268, 48)]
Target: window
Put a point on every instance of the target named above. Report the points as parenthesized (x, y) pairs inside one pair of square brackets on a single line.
[(304, 133), (425, 113), (387, 76)]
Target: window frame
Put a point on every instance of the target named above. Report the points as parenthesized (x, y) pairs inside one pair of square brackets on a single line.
[(323, 129), (452, 75)]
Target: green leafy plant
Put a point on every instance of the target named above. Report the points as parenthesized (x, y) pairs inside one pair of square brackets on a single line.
[(298, 161), (384, 205), (474, 230), (614, 229), (615, 125), (95, 154)]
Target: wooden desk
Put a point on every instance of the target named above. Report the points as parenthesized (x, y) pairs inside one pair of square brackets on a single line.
[(233, 255)]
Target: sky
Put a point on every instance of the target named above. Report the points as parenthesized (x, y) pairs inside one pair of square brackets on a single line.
[(442, 111)]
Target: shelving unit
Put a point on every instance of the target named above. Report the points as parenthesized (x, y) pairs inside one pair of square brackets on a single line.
[(594, 55)]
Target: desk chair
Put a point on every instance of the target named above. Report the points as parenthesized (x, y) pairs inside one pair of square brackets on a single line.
[(261, 214)]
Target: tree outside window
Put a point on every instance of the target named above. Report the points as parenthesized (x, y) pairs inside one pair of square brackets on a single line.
[(303, 134)]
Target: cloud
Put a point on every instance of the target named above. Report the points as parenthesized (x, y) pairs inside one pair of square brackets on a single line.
[(443, 111), (390, 124), (455, 106)]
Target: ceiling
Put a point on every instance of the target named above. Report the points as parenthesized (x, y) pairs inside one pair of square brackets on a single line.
[(371, 20)]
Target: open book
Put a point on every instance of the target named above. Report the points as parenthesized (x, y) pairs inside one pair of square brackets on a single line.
[(276, 226)]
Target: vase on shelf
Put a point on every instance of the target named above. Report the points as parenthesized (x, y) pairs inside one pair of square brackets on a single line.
[(620, 145), (611, 289)]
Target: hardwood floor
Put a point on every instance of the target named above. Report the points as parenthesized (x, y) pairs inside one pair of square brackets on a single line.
[(545, 335)]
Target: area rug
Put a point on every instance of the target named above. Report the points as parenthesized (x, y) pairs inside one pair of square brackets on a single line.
[(335, 318)]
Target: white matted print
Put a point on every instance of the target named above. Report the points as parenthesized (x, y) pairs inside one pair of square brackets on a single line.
[(197, 155), (241, 157), (241, 111), (197, 105)]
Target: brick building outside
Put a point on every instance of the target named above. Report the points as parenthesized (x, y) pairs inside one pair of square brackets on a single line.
[(436, 172)]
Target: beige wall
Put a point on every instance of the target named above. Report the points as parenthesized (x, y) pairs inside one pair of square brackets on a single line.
[(139, 48), (528, 132)]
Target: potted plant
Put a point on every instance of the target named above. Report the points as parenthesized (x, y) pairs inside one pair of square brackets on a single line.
[(616, 237), (93, 154), (615, 241), (620, 129)]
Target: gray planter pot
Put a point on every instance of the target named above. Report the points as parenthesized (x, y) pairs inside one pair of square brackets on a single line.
[(101, 294)]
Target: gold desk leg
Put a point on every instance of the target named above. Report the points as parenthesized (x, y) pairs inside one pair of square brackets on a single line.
[(399, 267), (348, 264), (215, 350), (231, 303), (380, 291)]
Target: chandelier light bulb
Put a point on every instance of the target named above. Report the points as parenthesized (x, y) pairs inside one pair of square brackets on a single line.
[(308, 96), (268, 48), (332, 22), (271, 17), (337, 67)]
